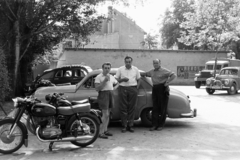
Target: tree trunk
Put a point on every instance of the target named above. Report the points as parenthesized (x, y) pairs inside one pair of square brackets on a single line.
[(17, 54)]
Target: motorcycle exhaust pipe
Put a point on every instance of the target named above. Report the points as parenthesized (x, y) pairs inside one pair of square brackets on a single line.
[(66, 139)]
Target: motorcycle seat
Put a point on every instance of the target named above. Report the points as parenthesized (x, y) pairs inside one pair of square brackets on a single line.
[(79, 102), (69, 110)]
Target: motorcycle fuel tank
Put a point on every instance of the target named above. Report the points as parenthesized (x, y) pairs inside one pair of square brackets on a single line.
[(43, 110)]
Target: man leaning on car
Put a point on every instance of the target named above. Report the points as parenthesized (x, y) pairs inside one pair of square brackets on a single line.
[(161, 77)]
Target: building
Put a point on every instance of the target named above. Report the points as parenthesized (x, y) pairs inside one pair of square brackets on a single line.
[(117, 32)]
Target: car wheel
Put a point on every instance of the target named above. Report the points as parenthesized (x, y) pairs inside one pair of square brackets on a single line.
[(146, 117), (197, 84), (210, 91), (232, 89)]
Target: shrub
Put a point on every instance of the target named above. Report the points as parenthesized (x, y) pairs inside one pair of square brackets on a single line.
[(4, 78)]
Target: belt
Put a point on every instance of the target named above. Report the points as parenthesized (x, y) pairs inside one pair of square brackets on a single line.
[(128, 86), (160, 84)]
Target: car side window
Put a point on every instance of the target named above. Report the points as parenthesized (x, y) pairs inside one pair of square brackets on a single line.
[(89, 83), (59, 73), (79, 73), (67, 73)]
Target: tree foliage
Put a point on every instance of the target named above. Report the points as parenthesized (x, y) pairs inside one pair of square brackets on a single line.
[(150, 42), (213, 25), (170, 30)]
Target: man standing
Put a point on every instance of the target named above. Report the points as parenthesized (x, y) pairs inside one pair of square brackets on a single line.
[(104, 85), (161, 77), (128, 77)]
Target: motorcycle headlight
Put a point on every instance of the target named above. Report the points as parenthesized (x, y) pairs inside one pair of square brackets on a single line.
[(208, 81), (226, 82), (15, 102)]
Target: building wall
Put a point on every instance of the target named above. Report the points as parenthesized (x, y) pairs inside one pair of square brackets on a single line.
[(184, 63), (110, 41)]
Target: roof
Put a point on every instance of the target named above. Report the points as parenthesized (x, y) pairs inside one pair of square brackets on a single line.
[(238, 68)]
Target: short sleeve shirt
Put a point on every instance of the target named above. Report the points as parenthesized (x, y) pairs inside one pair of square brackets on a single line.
[(159, 75), (132, 74), (109, 84)]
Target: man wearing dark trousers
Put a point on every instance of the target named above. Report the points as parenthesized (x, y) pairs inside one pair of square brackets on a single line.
[(161, 77), (128, 77)]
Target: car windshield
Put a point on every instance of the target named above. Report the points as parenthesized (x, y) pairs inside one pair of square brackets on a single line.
[(229, 72)]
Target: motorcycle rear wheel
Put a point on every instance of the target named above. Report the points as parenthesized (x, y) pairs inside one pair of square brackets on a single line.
[(11, 144), (90, 123)]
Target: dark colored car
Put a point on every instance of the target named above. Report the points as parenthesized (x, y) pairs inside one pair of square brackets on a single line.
[(66, 74), (178, 107), (228, 79)]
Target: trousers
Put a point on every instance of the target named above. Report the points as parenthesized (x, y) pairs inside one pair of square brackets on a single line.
[(128, 99), (160, 97)]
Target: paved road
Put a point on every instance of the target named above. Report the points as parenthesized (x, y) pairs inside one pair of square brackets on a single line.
[(213, 134)]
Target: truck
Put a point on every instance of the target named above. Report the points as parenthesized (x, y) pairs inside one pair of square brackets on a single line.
[(201, 77)]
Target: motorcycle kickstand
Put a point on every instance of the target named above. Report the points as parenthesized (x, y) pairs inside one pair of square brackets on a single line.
[(50, 146)]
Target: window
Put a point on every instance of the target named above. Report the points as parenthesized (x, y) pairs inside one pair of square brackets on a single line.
[(89, 83), (209, 67), (79, 73), (47, 75), (225, 65), (59, 73), (67, 73), (229, 72)]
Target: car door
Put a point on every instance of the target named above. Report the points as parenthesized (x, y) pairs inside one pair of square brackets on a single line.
[(87, 89)]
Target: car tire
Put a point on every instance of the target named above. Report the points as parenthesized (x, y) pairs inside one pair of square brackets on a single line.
[(232, 90), (210, 91), (146, 117), (197, 84)]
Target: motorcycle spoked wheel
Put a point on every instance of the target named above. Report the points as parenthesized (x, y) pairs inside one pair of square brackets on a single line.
[(90, 123), (11, 144)]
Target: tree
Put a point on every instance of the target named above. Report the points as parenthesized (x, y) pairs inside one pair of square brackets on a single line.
[(34, 27), (150, 42), (213, 25), (4, 78), (170, 30)]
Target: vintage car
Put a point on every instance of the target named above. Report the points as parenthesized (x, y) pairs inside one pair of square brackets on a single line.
[(178, 107), (228, 79)]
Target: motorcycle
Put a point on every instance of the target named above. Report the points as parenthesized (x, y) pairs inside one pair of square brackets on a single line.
[(59, 120)]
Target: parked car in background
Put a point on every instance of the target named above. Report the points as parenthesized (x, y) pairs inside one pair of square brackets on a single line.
[(228, 79), (66, 74), (178, 106)]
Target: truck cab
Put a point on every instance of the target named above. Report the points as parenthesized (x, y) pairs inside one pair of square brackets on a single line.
[(208, 71)]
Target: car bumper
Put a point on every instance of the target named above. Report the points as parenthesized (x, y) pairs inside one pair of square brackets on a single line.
[(192, 114), (200, 79), (218, 87)]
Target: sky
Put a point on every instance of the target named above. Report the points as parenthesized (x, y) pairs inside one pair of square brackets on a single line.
[(146, 16)]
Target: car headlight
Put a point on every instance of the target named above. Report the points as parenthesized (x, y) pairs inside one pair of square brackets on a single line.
[(226, 82), (208, 81)]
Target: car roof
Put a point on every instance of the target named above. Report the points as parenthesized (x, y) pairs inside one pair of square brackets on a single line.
[(238, 68), (88, 68)]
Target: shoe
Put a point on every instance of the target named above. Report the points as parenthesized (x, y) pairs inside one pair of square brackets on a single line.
[(108, 133), (131, 129), (152, 129), (124, 130), (103, 136), (159, 128)]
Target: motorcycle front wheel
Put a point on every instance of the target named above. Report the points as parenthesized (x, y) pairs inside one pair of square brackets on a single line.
[(90, 126), (10, 144)]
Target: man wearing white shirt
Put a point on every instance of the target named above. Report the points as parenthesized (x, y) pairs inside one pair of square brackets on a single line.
[(104, 85), (128, 77)]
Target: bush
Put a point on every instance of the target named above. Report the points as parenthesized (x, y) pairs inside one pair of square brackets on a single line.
[(4, 78)]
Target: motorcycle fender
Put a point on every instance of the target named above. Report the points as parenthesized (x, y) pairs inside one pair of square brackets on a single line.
[(25, 134), (97, 113)]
